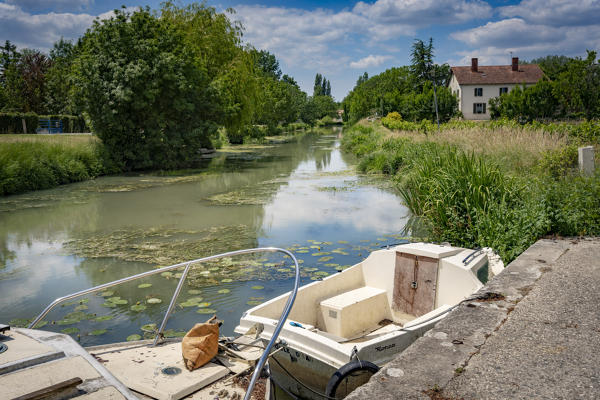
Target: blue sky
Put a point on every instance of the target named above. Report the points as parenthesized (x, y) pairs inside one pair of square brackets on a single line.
[(343, 39)]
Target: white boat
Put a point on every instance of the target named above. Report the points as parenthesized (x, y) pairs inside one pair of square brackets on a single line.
[(341, 329)]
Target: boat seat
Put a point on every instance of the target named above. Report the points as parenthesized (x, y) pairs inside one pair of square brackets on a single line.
[(355, 311)]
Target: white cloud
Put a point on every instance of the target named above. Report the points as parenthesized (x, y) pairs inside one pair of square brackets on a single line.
[(536, 28), (310, 37), (494, 41), (369, 61), (41, 31), (56, 5), (556, 12)]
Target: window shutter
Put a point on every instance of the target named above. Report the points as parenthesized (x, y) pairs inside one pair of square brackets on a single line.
[(474, 108), (484, 104), (475, 94)]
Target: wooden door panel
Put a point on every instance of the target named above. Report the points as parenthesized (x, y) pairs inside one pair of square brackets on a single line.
[(420, 300)]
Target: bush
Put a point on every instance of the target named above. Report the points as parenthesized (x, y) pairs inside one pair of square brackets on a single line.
[(26, 166), (13, 122)]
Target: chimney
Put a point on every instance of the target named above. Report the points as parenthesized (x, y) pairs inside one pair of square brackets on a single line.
[(473, 64), (515, 63)]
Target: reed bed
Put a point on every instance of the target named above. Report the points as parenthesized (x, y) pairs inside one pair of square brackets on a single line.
[(503, 187)]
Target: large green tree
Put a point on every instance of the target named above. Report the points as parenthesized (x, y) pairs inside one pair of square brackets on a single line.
[(149, 97)]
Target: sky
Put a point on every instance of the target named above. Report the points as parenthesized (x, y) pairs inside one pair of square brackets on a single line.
[(343, 39)]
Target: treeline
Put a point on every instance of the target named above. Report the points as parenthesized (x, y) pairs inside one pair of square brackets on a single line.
[(569, 90), (410, 91), (157, 86)]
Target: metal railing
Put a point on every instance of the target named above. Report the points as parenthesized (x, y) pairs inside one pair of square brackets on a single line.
[(188, 264)]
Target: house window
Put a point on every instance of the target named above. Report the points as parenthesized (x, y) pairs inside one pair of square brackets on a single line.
[(478, 92), (479, 108), (503, 90)]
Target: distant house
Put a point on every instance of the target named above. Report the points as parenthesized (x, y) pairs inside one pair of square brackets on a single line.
[(476, 85)]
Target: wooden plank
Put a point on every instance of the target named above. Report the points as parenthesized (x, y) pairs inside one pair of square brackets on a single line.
[(422, 270), (51, 390)]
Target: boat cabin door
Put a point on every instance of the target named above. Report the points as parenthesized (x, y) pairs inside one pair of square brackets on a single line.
[(415, 282)]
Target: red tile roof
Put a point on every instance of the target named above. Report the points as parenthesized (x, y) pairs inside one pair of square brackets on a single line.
[(494, 74)]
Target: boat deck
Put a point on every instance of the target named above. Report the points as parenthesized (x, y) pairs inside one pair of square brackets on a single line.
[(39, 364)]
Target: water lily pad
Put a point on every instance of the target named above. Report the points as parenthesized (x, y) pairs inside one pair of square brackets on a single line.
[(120, 302), (19, 322), (144, 285), (342, 241), (41, 324), (204, 304), (328, 243), (170, 333), (78, 315), (311, 269), (321, 273), (84, 301), (226, 280), (323, 253), (284, 270), (270, 265), (134, 337), (302, 251), (224, 291), (166, 274), (188, 304), (254, 302), (195, 300), (81, 307), (114, 298), (206, 311), (324, 259), (67, 321), (70, 331), (194, 291), (178, 275), (97, 332), (332, 265), (257, 287), (148, 328), (103, 318), (138, 307), (154, 300), (109, 304)]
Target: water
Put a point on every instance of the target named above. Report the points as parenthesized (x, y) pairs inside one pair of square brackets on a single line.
[(293, 195)]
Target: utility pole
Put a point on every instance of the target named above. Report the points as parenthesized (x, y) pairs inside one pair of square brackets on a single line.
[(437, 117)]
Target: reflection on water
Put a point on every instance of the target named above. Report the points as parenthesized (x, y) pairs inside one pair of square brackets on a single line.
[(303, 196)]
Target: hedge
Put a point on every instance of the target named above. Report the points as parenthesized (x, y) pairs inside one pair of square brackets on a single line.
[(11, 122)]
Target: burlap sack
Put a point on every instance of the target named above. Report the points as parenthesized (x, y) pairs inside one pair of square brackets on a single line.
[(200, 345)]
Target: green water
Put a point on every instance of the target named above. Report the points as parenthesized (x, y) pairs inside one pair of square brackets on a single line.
[(304, 196)]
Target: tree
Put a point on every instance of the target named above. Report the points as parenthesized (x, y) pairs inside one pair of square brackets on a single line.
[(290, 80), (328, 89), (149, 102), (267, 63), (33, 66), (318, 88), (361, 79), (59, 82), (421, 61)]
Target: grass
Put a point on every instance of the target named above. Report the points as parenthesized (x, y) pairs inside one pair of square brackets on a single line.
[(500, 187), (33, 162)]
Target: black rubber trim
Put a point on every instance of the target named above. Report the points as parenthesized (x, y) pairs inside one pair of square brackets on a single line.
[(339, 375)]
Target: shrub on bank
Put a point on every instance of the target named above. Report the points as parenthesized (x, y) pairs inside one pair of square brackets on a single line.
[(469, 200), (13, 122), (26, 166)]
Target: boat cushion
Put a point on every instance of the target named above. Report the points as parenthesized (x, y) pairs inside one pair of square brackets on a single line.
[(355, 311)]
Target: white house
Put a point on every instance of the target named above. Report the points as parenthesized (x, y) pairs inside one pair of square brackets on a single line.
[(476, 85)]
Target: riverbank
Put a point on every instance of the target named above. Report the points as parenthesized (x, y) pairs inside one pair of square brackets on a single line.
[(531, 332), (30, 162), (34, 162), (481, 187)]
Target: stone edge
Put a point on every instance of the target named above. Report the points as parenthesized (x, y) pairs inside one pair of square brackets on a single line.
[(432, 361)]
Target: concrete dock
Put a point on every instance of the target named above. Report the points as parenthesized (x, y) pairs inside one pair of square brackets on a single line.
[(533, 332)]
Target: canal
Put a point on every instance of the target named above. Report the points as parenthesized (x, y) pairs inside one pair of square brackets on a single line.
[(304, 196)]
